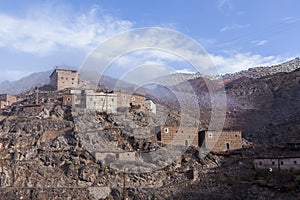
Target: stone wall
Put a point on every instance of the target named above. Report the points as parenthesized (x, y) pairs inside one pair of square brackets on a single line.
[(64, 78), (32, 109), (126, 100), (176, 135), (277, 163), (221, 140), (7, 100)]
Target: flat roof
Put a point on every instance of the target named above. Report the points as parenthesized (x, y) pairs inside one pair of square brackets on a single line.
[(62, 69)]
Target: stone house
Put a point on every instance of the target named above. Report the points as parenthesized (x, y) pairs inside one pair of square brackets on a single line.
[(33, 109), (279, 163), (68, 99), (150, 106), (64, 78), (7, 100), (126, 100), (219, 141), (178, 135), (88, 99)]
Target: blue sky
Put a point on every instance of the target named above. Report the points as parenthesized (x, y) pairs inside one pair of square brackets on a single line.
[(38, 35)]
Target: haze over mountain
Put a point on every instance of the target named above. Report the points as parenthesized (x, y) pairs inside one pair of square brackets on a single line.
[(42, 78)]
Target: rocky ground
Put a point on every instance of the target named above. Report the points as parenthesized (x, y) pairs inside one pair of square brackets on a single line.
[(42, 157)]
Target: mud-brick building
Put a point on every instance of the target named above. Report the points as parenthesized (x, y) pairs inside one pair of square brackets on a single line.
[(33, 109), (178, 135), (64, 78), (7, 100), (277, 163), (150, 106), (126, 100), (219, 141), (91, 100)]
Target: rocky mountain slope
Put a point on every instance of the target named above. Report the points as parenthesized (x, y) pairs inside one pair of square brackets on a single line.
[(263, 105), (26, 83)]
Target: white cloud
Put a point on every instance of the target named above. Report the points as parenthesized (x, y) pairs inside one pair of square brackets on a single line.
[(185, 71), (225, 5), (260, 42), (234, 27), (291, 20), (242, 61), (47, 29)]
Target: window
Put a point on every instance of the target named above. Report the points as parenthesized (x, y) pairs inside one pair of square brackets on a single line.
[(67, 78), (68, 99), (124, 97), (260, 163), (112, 100), (227, 146), (186, 143), (166, 130), (62, 78), (72, 79), (236, 135), (282, 163), (210, 135), (72, 83), (273, 163), (295, 162), (133, 98)]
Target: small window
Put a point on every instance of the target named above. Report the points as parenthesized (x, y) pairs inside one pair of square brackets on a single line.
[(236, 135), (72, 79), (133, 98), (72, 83), (282, 163), (112, 100), (68, 99), (124, 97), (186, 143), (260, 163), (273, 163), (227, 146), (62, 78), (295, 162), (67, 78), (166, 130), (210, 135)]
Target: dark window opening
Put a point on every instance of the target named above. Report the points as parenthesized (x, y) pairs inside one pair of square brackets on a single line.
[(273, 163), (281, 163), (295, 162), (227, 146), (260, 163)]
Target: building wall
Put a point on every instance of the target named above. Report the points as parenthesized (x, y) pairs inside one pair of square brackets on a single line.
[(68, 99), (64, 78), (125, 100), (101, 102), (32, 109), (277, 163), (221, 140), (176, 135), (7, 100), (150, 106)]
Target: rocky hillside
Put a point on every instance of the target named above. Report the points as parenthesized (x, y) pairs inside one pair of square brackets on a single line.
[(258, 72), (262, 107)]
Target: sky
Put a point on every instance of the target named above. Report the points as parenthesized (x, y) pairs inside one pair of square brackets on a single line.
[(39, 35)]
